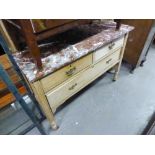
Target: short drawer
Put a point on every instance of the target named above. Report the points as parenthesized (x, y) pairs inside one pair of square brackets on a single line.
[(111, 59), (104, 51), (65, 73), (61, 93)]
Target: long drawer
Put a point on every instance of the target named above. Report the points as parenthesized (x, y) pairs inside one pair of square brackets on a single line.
[(65, 73), (104, 51), (61, 93)]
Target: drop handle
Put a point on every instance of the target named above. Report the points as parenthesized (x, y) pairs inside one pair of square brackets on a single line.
[(71, 71), (73, 86), (111, 45), (108, 61)]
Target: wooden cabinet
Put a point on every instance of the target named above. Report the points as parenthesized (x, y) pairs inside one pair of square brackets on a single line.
[(134, 53), (75, 66), (53, 90)]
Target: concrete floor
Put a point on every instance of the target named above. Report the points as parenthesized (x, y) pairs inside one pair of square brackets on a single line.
[(106, 107)]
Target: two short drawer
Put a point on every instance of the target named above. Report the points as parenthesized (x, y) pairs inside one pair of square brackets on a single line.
[(65, 73)]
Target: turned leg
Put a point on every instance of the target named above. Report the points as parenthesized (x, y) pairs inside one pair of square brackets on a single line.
[(40, 95), (117, 68)]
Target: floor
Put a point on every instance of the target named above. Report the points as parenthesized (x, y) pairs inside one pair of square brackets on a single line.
[(13, 119), (106, 107)]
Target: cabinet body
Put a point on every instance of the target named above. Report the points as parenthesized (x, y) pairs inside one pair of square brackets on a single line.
[(134, 53), (54, 89)]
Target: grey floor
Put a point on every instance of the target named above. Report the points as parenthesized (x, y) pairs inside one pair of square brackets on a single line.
[(106, 107)]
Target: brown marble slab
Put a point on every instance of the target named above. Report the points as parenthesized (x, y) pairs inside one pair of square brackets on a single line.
[(95, 36)]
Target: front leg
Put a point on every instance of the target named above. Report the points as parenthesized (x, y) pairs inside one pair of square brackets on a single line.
[(40, 95), (117, 68)]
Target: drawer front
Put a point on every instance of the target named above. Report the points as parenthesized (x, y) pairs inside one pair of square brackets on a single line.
[(61, 93), (103, 52), (65, 73), (111, 59)]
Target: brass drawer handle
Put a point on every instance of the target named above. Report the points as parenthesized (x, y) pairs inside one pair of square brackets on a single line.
[(111, 45), (108, 61), (71, 71), (73, 86)]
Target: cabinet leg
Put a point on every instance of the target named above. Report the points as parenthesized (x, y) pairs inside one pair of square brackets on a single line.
[(40, 95), (54, 125), (117, 68)]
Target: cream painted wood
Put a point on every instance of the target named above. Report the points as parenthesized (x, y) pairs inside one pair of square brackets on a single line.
[(104, 51), (40, 96), (112, 59), (65, 73), (118, 66), (61, 93)]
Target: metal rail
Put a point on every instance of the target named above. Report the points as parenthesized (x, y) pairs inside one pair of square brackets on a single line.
[(5, 77)]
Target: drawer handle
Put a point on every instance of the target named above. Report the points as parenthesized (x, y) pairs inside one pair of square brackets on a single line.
[(111, 45), (108, 61), (73, 86), (71, 71)]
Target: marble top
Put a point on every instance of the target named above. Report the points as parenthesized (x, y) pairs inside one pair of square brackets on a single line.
[(71, 53)]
